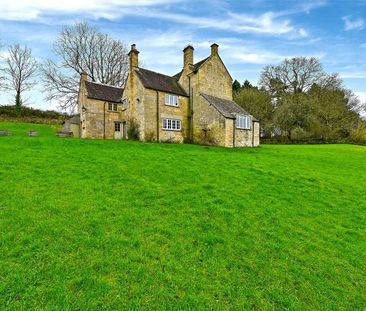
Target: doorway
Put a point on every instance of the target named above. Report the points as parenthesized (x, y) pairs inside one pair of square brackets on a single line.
[(117, 130)]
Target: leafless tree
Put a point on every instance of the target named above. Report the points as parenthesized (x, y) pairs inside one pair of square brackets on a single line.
[(1, 71), (296, 75), (79, 48), (19, 72)]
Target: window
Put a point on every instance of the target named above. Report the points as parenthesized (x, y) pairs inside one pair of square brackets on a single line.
[(112, 107), (243, 122), (124, 104), (171, 100), (117, 126), (171, 124)]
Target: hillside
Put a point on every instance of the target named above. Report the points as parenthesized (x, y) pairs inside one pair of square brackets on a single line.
[(90, 224)]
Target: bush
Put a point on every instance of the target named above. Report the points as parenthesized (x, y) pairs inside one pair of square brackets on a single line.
[(133, 130), (358, 135), (150, 136)]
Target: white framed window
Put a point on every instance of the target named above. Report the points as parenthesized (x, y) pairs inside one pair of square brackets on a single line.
[(243, 122), (171, 100), (171, 124), (113, 107), (124, 104), (117, 126)]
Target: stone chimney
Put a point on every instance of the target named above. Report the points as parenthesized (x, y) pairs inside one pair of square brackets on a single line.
[(134, 56), (188, 56), (214, 49), (84, 76)]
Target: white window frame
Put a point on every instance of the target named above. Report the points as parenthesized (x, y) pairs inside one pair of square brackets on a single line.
[(243, 122), (114, 107), (117, 126), (172, 100), (172, 124)]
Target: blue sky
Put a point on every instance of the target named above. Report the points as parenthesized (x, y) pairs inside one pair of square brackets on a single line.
[(251, 34)]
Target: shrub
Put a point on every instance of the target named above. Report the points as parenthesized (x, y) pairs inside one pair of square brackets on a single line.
[(150, 136), (133, 130)]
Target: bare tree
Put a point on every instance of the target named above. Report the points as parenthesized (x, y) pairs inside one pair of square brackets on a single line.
[(297, 75), (19, 72), (83, 48), (1, 71)]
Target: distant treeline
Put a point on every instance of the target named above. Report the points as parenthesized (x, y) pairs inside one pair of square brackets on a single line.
[(296, 102), (28, 114)]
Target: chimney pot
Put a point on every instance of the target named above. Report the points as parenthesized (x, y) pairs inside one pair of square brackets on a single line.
[(214, 49), (133, 55), (188, 56)]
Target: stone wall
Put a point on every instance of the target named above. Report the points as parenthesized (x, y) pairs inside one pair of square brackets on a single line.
[(208, 124)]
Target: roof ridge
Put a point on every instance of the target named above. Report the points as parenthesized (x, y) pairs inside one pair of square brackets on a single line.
[(159, 73), (103, 84)]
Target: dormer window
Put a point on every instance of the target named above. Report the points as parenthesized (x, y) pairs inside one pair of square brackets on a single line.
[(243, 122), (113, 107), (171, 100)]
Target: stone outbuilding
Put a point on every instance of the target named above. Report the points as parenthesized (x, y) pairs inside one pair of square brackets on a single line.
[(195, 105), (72, 126)]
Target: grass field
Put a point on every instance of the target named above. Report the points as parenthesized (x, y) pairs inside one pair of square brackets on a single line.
[(101, 225)]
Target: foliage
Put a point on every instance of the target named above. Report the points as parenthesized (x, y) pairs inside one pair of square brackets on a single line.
[(236, 86), (259, 104), (296, 75), (133, 129), (10, 111), (179, 226), (83, 48), (150, 136), (247, 85), (298, 101)]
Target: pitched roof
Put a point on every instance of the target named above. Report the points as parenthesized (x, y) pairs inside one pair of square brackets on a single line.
[(227, 108), (74, 120), (157, 81), (177, 75), (196, 66), (104, 92)]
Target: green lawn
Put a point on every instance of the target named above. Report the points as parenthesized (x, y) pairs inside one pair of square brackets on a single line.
[(101, 225)]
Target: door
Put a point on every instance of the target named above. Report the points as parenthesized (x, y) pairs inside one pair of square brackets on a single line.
[(117, 130), (124, 130)]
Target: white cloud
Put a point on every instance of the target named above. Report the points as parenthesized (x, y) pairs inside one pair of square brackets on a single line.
[(303, 33), (354, 75), (33, 10), (353, 24), (41, 10), (361, 96)]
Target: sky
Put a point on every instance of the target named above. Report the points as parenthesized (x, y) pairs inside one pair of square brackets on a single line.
[(251, 34)]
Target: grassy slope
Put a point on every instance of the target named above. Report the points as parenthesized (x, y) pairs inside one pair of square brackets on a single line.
[(106, 224)]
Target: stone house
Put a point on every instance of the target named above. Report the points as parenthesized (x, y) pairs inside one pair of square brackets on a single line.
[(195, 105)]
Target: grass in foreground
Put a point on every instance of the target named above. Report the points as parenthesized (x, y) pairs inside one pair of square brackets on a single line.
[(87, 224)]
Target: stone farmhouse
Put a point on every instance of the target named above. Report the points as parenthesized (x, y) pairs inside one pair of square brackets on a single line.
[(195, 105)]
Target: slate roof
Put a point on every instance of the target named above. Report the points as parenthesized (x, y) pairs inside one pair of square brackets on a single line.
[(200, 63), (74, 120), (157, 81), (196, 66), (104, 92), (227, 108)]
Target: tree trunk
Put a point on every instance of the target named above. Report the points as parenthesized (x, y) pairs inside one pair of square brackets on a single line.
[(289, 135), (18, 104)]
